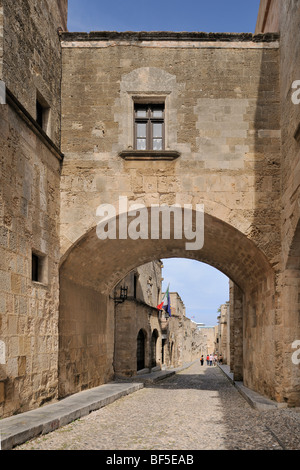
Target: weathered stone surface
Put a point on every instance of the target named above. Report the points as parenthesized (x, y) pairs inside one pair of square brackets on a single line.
[(230, 122), (29, 206), (222, 117), (30, 44)]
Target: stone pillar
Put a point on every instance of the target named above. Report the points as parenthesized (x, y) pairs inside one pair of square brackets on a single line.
[(86, 337), (236, 331), (288, 337)]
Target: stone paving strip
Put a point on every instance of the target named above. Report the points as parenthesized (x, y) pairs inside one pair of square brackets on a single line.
[(197, 408)]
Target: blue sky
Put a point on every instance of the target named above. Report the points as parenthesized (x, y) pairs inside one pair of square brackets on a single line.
[(202, 288), (163, 15)]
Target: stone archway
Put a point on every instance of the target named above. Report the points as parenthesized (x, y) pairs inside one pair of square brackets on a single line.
[(93, 267)]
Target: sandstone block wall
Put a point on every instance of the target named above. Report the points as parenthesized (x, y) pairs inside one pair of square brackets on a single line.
[(234, 130), (86, 338), (185, 343), (29, 212), (137, 313), (290, 221), (285, 17), (130, 318), (30, 162), (222, 117), (268, 18), (32, 56), (1, 38)]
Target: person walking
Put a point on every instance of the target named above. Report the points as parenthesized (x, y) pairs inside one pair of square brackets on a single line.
[(202, 360), (211, 359), (207, 359)]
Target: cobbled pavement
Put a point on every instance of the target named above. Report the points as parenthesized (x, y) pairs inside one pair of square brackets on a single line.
[(196, 409)]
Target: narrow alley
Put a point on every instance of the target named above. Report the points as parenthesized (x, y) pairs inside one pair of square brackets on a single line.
[(195, 409)]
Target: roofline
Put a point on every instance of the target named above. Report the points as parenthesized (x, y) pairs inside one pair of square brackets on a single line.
[(135, 36)]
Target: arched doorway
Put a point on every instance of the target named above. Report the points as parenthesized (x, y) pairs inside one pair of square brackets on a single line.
[(154, 338), (140, 350)]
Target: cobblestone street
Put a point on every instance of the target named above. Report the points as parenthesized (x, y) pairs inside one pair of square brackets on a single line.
[(196, 409)]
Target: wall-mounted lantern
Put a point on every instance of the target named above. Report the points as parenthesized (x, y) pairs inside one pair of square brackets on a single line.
[(123, 295)]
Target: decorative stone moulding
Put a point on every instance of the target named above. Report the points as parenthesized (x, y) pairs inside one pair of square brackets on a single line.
[(167, 35), (149, 155)]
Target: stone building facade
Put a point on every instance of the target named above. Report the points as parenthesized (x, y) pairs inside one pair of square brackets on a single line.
[(208, 340), (222, 149), (70, 141), (30, 160), (182, 340), (223, 334), (137, 321), (146, 338)]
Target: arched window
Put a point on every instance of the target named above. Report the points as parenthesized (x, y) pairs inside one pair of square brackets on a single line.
[(140, 351)]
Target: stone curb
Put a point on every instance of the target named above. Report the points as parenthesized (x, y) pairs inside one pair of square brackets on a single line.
[(256, 400), (18, 429)]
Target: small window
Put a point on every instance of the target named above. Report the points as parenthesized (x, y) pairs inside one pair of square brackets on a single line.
[(297, 134), (39, 114), (35, 268), (39, 268), (149, 126), (43, 113)]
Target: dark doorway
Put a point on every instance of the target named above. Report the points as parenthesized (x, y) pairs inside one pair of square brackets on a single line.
[(153, 348), (140, 352), (163, 343)]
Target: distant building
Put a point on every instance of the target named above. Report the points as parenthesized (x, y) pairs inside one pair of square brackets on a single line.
[(223, 333), (147, 338)]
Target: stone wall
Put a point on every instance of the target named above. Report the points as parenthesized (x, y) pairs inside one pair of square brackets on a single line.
[(1, 38), (185, 341), (29, 212), (131, 317), (268, 18), (222, 116), (144, 283), (177, 305), (208, 340), (178, 339), (222, 119), (223, 333), (290, 111), (137, 313), (231, 143), (284, 16), (86, 338), (238, 316), (31, 42), (29, 205)]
